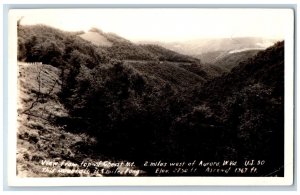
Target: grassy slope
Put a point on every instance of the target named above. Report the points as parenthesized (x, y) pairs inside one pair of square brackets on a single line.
[(96, 38)]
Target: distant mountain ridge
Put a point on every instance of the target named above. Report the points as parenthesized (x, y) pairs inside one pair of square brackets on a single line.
[(200, 48)]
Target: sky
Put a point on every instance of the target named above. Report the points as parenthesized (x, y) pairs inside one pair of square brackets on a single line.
[(166, 25)]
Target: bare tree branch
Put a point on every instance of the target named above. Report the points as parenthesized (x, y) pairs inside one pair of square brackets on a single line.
[(38, 93)]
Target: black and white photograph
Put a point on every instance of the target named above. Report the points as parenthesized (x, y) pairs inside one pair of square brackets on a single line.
[(168, 93)]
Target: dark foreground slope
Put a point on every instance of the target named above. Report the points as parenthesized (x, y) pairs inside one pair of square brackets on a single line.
[(244, 111)]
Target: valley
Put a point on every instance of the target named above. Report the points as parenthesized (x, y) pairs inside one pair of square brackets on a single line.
[(95, 96)]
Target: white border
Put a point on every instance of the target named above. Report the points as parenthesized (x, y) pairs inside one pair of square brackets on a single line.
[(153, 181), (170, 2)]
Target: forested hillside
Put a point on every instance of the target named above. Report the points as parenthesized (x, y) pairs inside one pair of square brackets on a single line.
[(249, 103), (233, 59), (145, 102)]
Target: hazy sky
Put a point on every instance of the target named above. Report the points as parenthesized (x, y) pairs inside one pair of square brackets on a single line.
[(167, 24)]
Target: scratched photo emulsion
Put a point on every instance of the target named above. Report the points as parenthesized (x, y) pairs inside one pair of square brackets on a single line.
[(150, 92)]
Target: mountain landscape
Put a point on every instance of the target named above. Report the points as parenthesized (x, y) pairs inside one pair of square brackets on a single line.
[(208, 45), (95, 96)]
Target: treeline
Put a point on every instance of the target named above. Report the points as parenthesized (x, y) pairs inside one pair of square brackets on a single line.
[(40, 43)]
